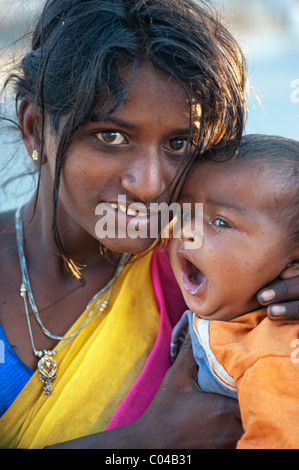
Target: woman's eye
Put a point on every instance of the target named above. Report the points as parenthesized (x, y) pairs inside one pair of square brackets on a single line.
[(111, 137), (220, 223), (178, 146)]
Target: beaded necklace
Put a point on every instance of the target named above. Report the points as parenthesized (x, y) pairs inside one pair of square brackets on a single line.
[(47, 365)]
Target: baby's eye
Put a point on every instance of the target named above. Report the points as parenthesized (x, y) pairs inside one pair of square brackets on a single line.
[(178, 146), (220, 223), (111, 137), (186, 216)]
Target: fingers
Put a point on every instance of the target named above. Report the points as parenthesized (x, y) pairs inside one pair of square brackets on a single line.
[(289, 311), (185, 359), (184, 368), (187, 344), (282, 299)]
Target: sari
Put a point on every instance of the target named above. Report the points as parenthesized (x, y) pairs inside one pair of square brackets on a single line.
[(110, 372)]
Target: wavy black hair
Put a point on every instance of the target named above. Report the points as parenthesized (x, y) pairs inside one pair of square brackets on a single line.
[(81, 48)]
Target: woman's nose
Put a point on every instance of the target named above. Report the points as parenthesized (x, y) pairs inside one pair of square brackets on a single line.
[(147, 177)]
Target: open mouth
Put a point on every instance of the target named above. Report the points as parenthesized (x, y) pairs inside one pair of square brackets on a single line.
[(193, 279)]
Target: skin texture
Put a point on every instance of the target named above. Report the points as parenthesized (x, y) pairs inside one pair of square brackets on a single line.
[(221, 264)]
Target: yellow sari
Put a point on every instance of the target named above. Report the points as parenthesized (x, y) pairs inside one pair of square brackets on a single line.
[(96, 370)]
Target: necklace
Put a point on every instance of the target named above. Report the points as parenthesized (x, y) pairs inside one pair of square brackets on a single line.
[(47, 365)]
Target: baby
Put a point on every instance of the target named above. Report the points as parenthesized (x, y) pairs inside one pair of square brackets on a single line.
[(249, 237)]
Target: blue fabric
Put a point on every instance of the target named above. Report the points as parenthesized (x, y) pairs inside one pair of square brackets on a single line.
[(14, 374), (205, 377)]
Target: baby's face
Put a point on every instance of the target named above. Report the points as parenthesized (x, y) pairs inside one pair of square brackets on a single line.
[(243, 247)]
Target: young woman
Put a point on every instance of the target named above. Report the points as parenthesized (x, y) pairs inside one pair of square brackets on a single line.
[(116, 98)]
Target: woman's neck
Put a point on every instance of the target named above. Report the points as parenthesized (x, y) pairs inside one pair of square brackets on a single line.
[(42, 252)]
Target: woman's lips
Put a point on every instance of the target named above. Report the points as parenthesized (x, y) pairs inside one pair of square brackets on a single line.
[(194, 280), (129, 221), (135, 214), (131, 211)]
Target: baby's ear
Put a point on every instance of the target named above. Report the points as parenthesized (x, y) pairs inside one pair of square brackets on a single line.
[(291, 270)]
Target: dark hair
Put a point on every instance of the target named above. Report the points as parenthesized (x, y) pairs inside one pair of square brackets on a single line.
[(280, 156), (80, 49)]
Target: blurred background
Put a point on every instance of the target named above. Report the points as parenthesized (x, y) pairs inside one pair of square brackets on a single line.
[(268, 31)]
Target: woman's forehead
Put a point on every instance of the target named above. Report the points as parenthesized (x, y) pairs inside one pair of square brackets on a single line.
[(152, 91), (155, 92)]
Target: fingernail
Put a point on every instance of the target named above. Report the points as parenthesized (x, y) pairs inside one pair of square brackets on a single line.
[(277, 311), (267, 295)]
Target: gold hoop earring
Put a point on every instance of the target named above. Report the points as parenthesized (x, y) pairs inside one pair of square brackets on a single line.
[(35, 155), (103, 249)]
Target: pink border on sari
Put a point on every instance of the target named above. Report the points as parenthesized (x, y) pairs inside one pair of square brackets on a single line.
[(171, 305)]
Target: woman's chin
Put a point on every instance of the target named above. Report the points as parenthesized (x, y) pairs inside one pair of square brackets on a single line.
[(128, 245)]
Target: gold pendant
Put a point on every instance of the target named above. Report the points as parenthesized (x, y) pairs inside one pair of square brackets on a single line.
[(47, 367)]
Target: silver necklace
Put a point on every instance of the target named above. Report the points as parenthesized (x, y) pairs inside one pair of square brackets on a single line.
[(47, 365)]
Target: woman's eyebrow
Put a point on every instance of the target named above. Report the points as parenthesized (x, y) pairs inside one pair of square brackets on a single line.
[(118, 122), (113, 120)]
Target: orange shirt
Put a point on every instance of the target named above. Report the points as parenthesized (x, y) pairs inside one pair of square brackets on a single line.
[(260, 356)]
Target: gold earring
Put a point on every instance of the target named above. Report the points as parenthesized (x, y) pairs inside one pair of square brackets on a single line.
[(103, 249), (35, 155)]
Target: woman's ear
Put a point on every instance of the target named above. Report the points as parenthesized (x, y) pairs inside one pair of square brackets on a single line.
[(291, 270), (30, 125)]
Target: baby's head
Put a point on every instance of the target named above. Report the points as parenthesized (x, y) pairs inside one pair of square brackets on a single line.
[(250, 230)]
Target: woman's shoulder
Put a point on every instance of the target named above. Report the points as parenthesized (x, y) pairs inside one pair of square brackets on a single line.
[(8, 246), (10, 277), (7, 217), (7, 230)]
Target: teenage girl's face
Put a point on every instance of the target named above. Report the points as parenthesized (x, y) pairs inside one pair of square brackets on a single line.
[(135, 154)]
